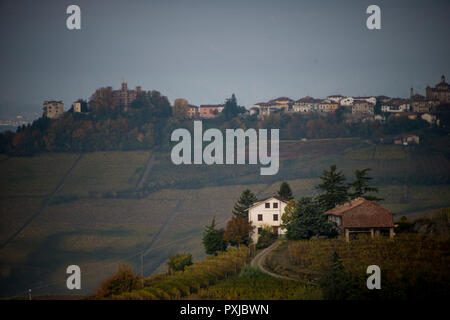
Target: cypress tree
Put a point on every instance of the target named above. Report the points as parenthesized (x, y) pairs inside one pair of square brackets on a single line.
[(285, 191), (213, 239)]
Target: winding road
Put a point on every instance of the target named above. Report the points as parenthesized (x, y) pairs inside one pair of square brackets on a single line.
[(260, 259)]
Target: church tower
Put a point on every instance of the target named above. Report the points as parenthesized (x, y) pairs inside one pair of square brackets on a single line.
[(124, 84)]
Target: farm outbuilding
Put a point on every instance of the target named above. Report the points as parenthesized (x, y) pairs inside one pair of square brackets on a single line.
[(362, 216)]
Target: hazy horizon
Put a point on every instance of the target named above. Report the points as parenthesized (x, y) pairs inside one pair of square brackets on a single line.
[(206, 50)]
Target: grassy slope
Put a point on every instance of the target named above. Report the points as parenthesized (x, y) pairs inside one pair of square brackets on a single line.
[(97, 233)]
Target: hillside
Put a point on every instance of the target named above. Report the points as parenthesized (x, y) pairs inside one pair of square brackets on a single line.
[(98, 218)]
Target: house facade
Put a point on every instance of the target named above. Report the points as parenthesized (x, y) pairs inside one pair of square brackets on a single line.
[(192, 111), (267, 213), (361, 216), (395, 105), (53, 109), (208, 111), (328, 106), (362, 107), (306, 104)]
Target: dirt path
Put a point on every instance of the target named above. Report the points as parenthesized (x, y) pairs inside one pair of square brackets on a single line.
[(44, 203), (151, 162), (260, 258)]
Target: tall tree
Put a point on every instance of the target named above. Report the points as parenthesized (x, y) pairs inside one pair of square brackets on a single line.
[(335, 281), (213, 239), (308, 221), (101, 100), (360, 187), (231, 108), (180, 108), (285, 191), (245, 201), (238, 231), (333, 187), (288, 215)]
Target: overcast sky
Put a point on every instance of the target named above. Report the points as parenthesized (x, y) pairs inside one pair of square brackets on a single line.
[(205, 50)]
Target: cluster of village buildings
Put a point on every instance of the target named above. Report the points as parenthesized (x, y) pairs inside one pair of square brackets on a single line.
[(361, 108)]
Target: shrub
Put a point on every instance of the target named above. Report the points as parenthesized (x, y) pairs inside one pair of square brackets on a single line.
[(265, 239), (179, 261), (122, 281)]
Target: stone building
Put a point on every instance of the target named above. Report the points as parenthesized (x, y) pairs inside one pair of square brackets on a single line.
[(53, 109), (124, 97), (441, 92), (420, 104)]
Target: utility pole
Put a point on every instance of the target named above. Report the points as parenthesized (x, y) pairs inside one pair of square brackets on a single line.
[(142, 268)]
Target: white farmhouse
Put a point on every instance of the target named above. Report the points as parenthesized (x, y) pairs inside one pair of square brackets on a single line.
[(267, 212)]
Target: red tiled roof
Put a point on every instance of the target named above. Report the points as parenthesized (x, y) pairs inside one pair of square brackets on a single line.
[(362, 213)]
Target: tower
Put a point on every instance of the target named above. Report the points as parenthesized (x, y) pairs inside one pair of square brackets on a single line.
[(411, 93), (443, 79), (124, 84)]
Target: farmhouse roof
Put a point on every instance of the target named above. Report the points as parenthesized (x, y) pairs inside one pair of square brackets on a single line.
[(362, 213), (257, 202)]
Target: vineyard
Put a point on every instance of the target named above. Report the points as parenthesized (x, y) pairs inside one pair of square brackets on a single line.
[(260, 286), (412, 266), (200, 275)]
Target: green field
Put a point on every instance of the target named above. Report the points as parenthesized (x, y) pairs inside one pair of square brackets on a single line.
[(89, 221)]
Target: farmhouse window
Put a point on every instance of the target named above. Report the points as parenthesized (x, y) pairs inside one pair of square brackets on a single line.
[(275, 217), (260, 217), (259, 230), (267, 205), (275, 205)]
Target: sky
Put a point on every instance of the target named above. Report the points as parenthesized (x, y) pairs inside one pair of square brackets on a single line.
[(205, 50)]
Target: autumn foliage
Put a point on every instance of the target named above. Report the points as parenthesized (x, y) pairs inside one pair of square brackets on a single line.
[(238, 231), (124, 280)]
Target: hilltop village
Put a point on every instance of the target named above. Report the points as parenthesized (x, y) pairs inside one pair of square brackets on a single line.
[(133, 119), (358, 108)]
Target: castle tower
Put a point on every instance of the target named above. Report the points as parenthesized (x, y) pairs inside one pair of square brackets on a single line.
[(411, 93), (443, 79), (124, 84)]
